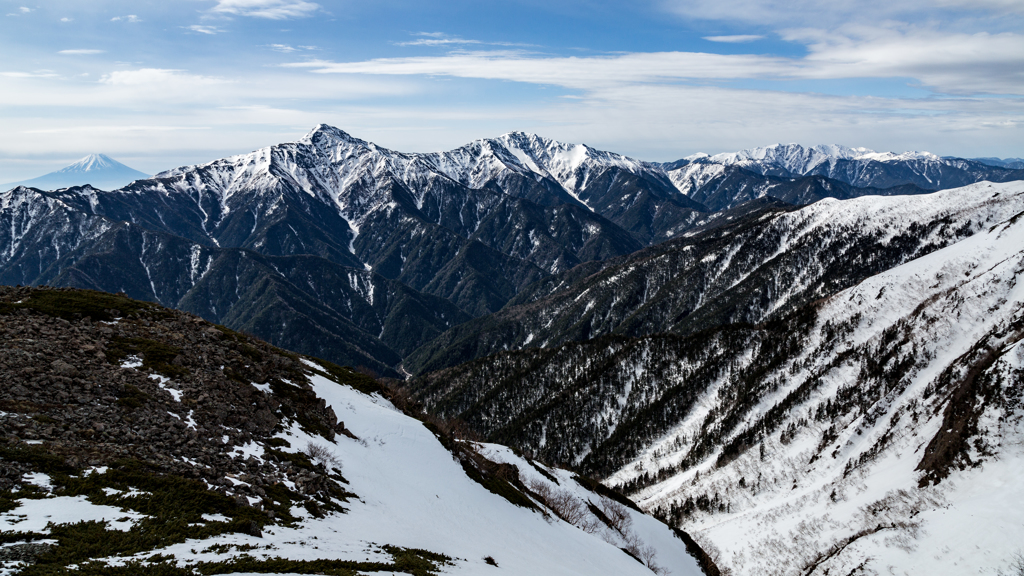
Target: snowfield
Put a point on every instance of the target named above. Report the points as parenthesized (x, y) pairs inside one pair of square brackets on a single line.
[(411, 493), (851, 494)]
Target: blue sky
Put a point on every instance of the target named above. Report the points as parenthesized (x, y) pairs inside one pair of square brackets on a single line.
[(162, 84)]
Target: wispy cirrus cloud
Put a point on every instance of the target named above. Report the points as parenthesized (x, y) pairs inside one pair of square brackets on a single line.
[(269, 9), (735, 39), (107, 128), (158, 77), (35, 74), (288, 49), (800, 13), (946, 63), (80, 51), (442, 39), (131, 18), (204, 29)]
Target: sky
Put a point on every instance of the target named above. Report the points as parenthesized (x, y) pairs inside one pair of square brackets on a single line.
[(160, 84)]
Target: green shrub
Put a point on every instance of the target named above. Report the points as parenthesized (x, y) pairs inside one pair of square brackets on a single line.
[(76, 304), (156, 356)]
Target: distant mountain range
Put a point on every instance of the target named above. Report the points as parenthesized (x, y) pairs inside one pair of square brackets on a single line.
[(298, 242), (98, 170), (1015, 163)]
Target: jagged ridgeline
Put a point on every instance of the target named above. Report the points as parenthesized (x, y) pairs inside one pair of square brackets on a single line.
[(339, 248), (142, 440), (857, 431)]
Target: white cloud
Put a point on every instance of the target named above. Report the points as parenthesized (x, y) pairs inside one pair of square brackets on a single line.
[(288, 49), (157, 77), (36, 74), (735, 39), (796, 13), (947, 63), (442, 39), (271, 9), (132, 18), (950, 63), (205, 29), (66, 19), (437, 42), (24, 10), (114, 129), (81, 51), (571, 72)]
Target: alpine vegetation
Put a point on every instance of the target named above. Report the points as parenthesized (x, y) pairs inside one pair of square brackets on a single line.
[(139, 439)]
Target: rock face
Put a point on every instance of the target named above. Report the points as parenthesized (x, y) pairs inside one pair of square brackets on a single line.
[(100, 378)]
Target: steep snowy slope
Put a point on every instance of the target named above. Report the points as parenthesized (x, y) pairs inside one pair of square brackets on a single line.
[(754, 267), (878, 430), (904, 455), (196, 450)]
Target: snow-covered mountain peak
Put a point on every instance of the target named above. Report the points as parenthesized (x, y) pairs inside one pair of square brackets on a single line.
[(97, 169), (792, 157), (894, 157), (91, 163), (327, 137)]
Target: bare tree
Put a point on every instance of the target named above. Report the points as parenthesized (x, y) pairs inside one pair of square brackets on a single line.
[(322, 455), (1016, 567), (617, 514)]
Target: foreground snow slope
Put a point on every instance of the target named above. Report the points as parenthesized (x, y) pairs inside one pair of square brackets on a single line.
[(410, 492)]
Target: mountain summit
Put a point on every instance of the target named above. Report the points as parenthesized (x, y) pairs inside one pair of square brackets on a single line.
[(99, 170)]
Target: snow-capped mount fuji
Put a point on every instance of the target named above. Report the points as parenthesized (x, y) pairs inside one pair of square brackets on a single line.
[(98, 170)]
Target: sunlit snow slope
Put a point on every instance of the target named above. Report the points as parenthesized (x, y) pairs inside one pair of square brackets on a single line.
[(904, 451), (878, 429)]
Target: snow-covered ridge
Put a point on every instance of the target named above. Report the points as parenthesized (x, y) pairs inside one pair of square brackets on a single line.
[(864, 488), (793, 157), (800, 160)]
